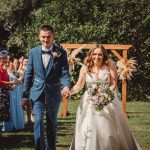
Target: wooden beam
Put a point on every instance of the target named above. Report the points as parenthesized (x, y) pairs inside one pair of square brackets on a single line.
[(89, 46), (125, 54), (117, 54), (124, 93), (124, 86), (64, 107)]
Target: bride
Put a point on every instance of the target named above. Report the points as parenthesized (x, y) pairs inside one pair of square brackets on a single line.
[(106, 129)]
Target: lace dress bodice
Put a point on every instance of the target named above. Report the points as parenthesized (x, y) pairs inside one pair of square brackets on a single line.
[(85, 78), (93, 77)]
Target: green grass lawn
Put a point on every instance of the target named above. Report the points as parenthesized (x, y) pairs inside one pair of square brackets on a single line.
[(139, 121)]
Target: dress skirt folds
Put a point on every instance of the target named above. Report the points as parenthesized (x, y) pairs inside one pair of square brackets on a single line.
[(106, 129), (17, 113)]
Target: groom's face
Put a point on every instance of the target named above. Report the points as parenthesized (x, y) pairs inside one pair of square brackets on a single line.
[(46, 38)]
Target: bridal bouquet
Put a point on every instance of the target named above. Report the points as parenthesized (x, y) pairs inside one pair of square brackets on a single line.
[(100, 94)]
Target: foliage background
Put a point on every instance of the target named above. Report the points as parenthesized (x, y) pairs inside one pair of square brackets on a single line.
[(82, 21)]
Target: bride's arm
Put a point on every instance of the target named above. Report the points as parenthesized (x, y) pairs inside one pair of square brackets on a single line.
[(113, 74), (80, 83)]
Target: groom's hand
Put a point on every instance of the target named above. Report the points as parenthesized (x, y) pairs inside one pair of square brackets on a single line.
[(25, 104), (65, 92)]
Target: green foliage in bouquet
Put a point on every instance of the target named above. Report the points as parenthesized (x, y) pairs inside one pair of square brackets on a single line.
[(100, 94)]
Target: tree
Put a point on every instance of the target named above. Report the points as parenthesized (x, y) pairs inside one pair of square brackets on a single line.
[(14, 14), (84, 21)]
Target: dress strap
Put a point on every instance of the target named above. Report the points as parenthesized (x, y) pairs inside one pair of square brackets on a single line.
[(91, 77)]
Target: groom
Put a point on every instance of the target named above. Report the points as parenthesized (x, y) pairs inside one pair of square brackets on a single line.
[(47, 72)]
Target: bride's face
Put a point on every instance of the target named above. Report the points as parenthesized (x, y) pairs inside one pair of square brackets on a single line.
[(97, 56)]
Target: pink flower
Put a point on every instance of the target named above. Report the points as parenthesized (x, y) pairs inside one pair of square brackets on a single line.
[(56, 54), (99, 90), (95, 98), (94, 86)]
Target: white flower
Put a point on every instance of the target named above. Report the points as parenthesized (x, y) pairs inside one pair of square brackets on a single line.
[(94, 86)]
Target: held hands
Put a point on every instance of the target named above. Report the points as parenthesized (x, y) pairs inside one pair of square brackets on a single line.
[(65, 92)]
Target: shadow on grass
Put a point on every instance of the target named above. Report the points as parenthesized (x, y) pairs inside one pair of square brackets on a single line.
[(65, 128), (63, 146), (138, 112), (70, 117), (15, 141), (24, 139)]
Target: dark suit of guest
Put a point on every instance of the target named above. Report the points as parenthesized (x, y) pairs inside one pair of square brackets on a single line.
[(45, 91)]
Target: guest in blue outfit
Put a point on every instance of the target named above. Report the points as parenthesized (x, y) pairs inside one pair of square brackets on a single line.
[(16, 96), (21, 72)]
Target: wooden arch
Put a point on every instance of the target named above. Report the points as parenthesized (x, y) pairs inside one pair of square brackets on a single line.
[(114, 48)]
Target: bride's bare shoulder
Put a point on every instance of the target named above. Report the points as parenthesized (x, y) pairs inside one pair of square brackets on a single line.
[(105, 68), (111, 62)]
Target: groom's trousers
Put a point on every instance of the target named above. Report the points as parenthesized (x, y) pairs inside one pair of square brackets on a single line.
[(51, 106)]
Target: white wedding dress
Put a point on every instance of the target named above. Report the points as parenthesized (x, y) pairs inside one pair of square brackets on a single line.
[(106, 129)]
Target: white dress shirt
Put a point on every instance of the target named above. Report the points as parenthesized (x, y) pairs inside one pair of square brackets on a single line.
[(46, 57)]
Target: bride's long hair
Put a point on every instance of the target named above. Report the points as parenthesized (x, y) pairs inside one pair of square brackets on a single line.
[(88, 59)]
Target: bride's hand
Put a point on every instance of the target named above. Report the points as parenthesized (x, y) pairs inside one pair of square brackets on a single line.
[(65, 92), (112, 88)]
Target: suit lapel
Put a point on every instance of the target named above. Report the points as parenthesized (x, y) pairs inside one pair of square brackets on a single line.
[(41, 65), (49, 66), (51, 62)]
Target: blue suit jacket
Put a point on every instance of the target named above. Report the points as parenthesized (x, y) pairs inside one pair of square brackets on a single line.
[(38, 79)]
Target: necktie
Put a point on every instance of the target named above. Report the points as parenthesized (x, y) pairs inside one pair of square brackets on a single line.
[(46, 52)]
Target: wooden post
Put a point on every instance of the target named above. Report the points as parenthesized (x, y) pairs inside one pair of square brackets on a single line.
[(124, 86), (64, 107), (124, 93)]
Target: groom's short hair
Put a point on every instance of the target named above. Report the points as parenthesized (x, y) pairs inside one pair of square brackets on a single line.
[(47, 28)]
